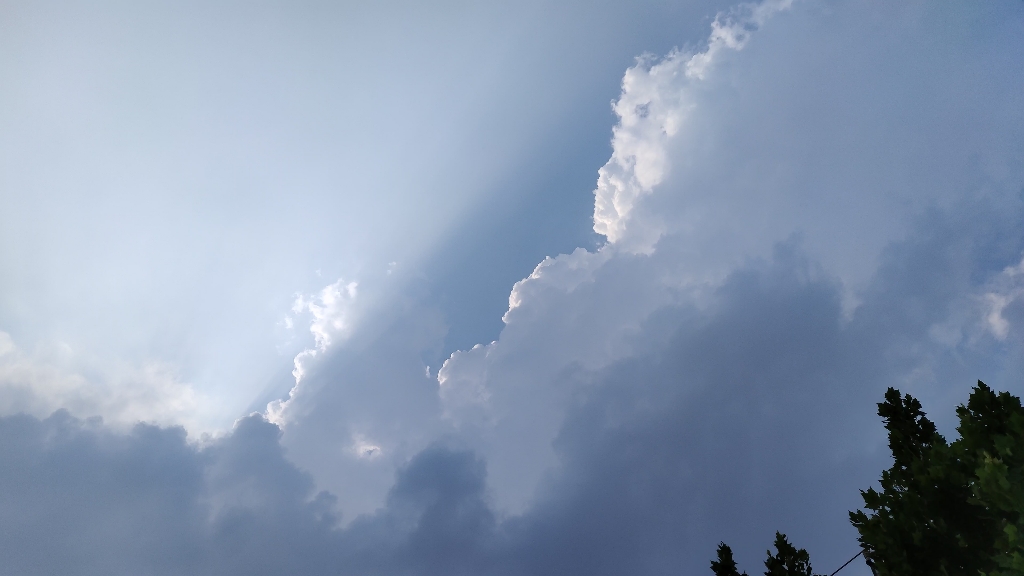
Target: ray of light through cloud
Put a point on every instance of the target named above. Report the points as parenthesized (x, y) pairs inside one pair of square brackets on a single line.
[(392, 289)]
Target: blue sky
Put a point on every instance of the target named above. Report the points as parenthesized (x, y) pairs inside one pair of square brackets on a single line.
[(467, 288)]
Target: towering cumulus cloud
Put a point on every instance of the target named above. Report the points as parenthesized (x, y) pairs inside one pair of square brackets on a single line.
[(820, 201), (656, 100)]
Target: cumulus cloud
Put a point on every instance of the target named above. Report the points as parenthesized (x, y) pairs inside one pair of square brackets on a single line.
[(365, 403), (795, 220), (785, 125), (756, 414), (331, 312), (654, 106)]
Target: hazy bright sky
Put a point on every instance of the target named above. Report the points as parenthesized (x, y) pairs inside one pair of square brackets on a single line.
[(464, 287)]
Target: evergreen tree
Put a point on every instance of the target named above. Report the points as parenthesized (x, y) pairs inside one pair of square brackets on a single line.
[(725, 565), (946, 508), (943, 509), (787, 560)]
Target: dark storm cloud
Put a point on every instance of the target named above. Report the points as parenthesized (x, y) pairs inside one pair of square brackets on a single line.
[(78, 498), (759, 415)]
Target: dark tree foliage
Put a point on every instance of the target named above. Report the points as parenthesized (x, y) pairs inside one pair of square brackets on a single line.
[(787, 560), (948, 509), (725, 565)]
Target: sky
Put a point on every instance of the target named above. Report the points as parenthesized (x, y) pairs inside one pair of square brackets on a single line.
[(489, 288)]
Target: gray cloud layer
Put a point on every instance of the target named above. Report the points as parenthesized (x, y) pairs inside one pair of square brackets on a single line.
[(757, 415)]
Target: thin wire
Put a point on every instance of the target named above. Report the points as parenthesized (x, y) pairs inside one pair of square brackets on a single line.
[(847, 562)]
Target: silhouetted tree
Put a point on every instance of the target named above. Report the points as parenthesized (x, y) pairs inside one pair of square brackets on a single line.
[(943, 509), (725, 565), (948, 508), (787, 560)]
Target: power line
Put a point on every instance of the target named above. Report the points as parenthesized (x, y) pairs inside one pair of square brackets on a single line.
[(847, 562)]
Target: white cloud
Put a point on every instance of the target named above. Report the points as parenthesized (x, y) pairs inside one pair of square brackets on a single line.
[(585, 310), (330, 311), (786, 128), (1007, 289), (331, 319), (54, 377), (654, 106)]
